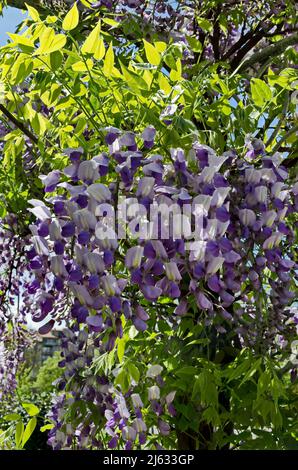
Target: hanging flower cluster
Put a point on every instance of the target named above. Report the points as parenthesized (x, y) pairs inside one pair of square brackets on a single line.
[(15, 301), (232, 246), (226, 261), (119, 416)]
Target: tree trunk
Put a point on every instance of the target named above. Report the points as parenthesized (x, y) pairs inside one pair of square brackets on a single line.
[(188, 440)]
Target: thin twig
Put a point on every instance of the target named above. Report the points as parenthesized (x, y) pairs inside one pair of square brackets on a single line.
[(18, 124)]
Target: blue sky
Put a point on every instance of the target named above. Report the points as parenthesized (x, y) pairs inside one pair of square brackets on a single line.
[(8, 22)]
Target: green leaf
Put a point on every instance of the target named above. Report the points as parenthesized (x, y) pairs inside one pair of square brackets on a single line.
[(19, 434), (187, 370), (170, 60), (260, 92), (12, 417), (196, 390), (152, 54), (33, 12), (50, 42), (122, 379), (81, 66), (205, 390), (23, 40), (121, 348), (90, 44), (31, 409), (194, 43), (56, 60), (136, 82), (133, 371), (109, 61), (205, 24), (46, 427), (29, 430), (211, 416), (71, 20)]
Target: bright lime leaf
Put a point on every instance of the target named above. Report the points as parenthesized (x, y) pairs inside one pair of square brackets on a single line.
[(31, 409), (100, 49), (57, 43), (176, 75), (160, 46), (90, 44), (21, 40), (12, 417), (82, 66), (205, 24), (46, 427), (29, 430), (109, 61), (50, 42), (71, 20), (87, 3), (19, 433), (111, 22), (121, 349), (260, 92), (33, 13), (152, 54)]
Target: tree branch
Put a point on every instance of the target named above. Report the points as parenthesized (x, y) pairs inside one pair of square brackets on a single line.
[(284, 138), (216, 35), (40, 5), (269, 51), (21, 4), (248, 46), (18, 124)]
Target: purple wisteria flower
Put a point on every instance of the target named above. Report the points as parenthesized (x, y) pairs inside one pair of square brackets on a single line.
[(209, 265)]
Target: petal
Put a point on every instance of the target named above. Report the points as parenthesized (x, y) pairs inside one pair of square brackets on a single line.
[(100, 192)]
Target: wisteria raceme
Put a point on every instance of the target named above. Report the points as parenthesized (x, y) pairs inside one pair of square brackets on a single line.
[(227, 264), (75, 244), (119, 417), (14, 303)]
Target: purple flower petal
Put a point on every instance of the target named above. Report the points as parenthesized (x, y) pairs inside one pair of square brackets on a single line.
[(151, 292), (43, 330), (203, 301), (95, 322), (139, 324)]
